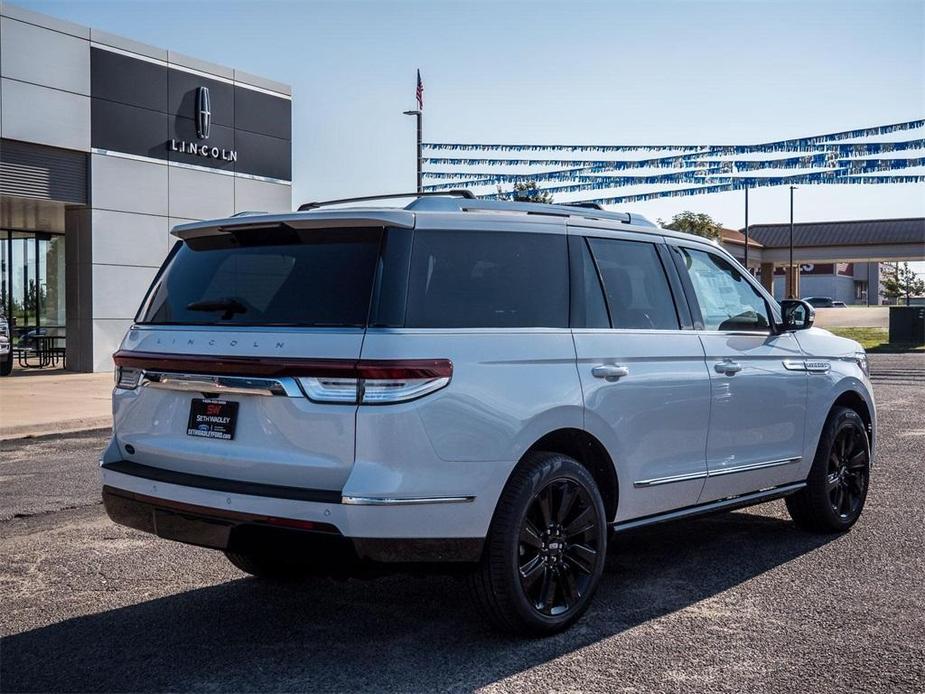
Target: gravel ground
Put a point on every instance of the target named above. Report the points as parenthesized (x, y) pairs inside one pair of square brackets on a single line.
[(737, 602)]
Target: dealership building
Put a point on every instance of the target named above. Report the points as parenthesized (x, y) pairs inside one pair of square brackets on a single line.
[(105, 145)]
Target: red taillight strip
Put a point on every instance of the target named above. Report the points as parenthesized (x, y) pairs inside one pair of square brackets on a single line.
[(285, 366), (403, 368)]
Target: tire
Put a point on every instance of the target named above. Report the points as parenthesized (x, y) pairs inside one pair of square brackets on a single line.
[(264, 566), (536, 577), (836, 487), (6, 366)]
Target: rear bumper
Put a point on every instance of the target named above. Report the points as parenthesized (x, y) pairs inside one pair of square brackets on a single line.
[(318, 528)]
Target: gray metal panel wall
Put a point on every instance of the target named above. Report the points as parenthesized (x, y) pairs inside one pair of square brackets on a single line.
[(34, 171)]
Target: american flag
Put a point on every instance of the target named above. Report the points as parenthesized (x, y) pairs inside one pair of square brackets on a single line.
[(420, 93)]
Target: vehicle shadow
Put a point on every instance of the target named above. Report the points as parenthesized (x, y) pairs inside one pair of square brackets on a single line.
[(395, 633)]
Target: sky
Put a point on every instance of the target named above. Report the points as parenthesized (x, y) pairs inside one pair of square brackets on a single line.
[(561, 72)]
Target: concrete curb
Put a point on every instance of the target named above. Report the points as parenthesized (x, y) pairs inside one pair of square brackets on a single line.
[(78, 426)]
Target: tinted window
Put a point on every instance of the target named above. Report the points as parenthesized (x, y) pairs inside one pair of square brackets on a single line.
[(476, 279), (588, 307), (727, 301), (634, 280), (269, 277)]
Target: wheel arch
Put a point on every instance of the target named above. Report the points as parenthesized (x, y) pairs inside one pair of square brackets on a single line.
[(591, 454), (853, 400)]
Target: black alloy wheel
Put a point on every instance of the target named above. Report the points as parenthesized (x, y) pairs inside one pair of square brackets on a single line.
[(848, 472), (545, 550), (839, 478), (559, 545)]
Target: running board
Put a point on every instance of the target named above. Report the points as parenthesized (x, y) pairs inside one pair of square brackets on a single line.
[(728, 504)]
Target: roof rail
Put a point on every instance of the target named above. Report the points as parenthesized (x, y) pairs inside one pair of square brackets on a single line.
[(457, 193), (586, 205), (531, 208)]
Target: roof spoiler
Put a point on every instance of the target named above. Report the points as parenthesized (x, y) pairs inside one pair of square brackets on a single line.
[(328, 219)]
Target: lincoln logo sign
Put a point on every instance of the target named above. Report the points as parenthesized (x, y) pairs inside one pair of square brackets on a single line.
[(203, 113), (203, 130)]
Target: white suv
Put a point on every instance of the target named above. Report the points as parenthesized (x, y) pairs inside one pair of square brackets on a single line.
[(488, 387)]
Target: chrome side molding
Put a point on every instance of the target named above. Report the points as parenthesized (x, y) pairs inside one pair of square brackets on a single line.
[(754, 466), (671, 479), (389, 501), (715, 473), (242, 385)]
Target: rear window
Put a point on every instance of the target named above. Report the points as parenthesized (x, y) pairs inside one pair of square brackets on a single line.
[(320, 278), (637, 290), (475, 279)]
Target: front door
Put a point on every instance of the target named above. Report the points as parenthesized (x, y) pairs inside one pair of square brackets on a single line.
[(645, 386), (758, 403)]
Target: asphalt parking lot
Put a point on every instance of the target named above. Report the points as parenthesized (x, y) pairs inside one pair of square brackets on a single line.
[(737, 602)]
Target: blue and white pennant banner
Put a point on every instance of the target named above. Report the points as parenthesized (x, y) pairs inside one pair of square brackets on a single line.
[(714, 168)]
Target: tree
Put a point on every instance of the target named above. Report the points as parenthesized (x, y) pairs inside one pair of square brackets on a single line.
[(900, 280), (527, 191), (697, 223)]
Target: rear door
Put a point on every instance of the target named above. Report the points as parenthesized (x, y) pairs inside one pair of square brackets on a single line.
[(646, 390), (758, 403), (488, 293), (230, 332)]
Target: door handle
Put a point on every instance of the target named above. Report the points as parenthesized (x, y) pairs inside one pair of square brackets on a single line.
[(728, 367), (610, 372)]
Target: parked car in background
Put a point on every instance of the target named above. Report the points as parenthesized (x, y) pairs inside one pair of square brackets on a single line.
[(6, 347), (491, 388), (838, 304), (819, 301)]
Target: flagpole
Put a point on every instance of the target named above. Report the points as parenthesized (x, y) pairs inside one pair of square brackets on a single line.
[(420, 118), (419, 115)]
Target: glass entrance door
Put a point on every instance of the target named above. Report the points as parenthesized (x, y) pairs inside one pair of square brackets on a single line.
[(32, 296)]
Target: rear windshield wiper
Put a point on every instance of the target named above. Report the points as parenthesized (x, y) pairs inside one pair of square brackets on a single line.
[(229, 307)]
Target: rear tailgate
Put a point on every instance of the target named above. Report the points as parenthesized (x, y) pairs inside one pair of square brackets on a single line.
[(280, 437), (237, 328)]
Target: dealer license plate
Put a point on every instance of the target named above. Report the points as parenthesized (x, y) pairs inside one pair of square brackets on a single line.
[(212, 419)]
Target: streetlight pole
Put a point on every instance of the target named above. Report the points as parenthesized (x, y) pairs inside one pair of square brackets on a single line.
[(420, 157), (746, 229), (790, 271)]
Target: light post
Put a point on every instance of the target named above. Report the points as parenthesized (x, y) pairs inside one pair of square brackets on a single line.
[(746, 229), (791, 272), (418, 114)]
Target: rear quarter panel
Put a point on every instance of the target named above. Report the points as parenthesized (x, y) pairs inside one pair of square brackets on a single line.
[(509, 388)]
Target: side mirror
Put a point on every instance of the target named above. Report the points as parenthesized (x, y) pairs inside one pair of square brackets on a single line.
[(797, 314)]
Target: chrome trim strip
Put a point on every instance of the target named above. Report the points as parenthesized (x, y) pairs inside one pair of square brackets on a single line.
[(729, 503), (285, 387), (794, 364), (715, 473), (389, 501), (754, 466), (669, 480)]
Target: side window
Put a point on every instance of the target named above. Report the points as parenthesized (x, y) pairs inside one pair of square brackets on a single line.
[(637, 289), (485, 279), (727, 301), (588, 307)]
